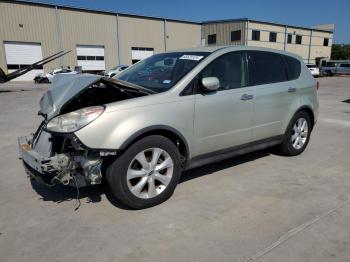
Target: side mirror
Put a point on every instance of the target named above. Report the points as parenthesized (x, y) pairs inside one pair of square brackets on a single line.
[(210, 83)]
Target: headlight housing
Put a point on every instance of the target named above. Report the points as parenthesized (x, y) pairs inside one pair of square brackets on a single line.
[(75, 120)]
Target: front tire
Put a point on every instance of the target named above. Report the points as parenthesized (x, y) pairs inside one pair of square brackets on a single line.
[(297, 135), (146, 174)]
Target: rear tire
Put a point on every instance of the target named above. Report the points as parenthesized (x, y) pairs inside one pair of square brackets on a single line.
[(146, 174), (297, 135)]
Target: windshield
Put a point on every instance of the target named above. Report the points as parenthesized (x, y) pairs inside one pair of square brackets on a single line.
[(161, 72)]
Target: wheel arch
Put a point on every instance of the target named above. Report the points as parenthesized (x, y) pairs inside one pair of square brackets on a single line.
[(169, 132), (309, 111)]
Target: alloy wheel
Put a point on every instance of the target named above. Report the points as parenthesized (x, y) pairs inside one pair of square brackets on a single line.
[(149, 173), (300, 133)]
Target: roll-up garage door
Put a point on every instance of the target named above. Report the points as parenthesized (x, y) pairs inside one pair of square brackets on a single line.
[(19, 55), (91, 58), (139, 53)]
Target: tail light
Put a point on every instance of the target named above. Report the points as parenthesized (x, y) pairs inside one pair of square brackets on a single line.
[(317, 85)]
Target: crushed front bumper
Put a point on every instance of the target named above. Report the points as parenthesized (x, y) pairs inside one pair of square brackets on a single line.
[(75, 168), (41, 168)]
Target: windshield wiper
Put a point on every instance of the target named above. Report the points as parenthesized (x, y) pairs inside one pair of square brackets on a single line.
[(131, 86)]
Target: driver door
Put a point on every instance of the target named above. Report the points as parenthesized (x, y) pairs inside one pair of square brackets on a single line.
[(224, 118)]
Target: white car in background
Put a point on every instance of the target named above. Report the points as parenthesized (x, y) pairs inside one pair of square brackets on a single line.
[(115, 71), (47, 78), (315, 71)]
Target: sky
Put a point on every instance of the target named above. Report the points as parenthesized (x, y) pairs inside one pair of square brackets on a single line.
[(295, 12)]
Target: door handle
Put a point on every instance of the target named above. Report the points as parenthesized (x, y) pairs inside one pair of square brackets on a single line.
[(247, 97), (292, 89)]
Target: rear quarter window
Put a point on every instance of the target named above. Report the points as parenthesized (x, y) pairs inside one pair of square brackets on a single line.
[(293, 67)]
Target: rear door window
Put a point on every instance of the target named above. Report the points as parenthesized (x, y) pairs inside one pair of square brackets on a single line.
[(266, 68)]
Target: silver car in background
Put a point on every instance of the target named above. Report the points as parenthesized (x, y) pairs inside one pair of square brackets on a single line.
[(115, 71), (169, 113), (335, 68), (47, 78)]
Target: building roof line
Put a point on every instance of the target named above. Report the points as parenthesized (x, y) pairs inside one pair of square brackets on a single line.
[(110, 12), (263, 22)]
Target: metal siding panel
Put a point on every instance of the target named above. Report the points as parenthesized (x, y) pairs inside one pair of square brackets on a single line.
[(223, 32), (139, 32), (219, 35), (88, 28), (182, 35), (234, 27), (38, 27)]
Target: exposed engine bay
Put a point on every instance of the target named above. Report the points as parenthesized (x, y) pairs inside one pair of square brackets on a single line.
[(59, 157), (104, 91)]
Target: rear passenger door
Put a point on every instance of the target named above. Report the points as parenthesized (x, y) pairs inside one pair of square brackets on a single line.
[(275, 95)]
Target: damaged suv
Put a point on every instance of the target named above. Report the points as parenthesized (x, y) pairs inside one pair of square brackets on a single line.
[(168, 113)]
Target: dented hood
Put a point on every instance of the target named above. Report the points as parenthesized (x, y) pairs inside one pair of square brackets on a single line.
[(62, 90)]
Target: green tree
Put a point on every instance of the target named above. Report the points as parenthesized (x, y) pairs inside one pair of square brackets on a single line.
[(340, 52)]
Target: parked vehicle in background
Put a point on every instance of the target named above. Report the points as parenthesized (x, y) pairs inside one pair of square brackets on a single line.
[(328, 68), (315, 71), (47, 78), (115, 71), (141, 132), (335, 68), (343, 69)]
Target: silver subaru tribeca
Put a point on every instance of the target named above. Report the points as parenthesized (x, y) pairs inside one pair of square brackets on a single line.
[(166, 114)]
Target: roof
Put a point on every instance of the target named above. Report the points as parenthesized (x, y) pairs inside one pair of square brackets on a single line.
[(110, 12), (209, 49), (212, 49), (262, 22)]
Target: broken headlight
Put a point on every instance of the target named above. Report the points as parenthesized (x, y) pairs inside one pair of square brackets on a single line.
[(73, 121)]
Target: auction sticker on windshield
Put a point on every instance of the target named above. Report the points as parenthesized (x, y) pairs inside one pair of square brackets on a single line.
[(191, 57)]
